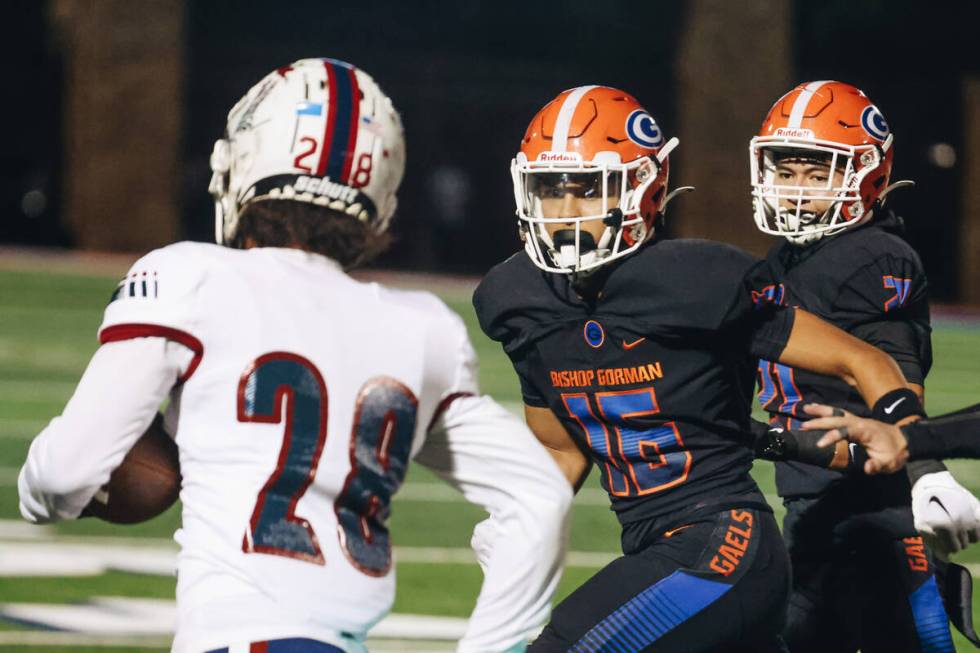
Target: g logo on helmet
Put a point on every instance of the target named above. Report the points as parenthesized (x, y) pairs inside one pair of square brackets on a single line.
[(643, 130), (874, 123)]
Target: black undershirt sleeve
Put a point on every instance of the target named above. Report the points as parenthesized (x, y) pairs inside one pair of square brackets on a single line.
[(905, 341), (954, 435)]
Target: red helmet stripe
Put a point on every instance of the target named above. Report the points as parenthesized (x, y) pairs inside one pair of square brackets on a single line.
[(354, 127)]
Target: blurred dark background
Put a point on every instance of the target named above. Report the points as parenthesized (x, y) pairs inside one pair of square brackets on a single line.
[(112, 107)]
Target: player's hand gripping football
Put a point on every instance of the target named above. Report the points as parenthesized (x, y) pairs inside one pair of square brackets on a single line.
[(145, 484)]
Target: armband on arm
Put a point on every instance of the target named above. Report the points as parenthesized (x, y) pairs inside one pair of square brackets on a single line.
[(780, 445), (896, 405)]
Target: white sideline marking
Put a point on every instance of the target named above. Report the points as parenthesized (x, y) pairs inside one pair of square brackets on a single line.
[(437, 555), (412, 626), (39, 558), (14, 428), (93, 557), (99, 615), (8, 476), (442, 493), (36, 390), (42, 553), (130, 616), (43, 638), (16, 529)]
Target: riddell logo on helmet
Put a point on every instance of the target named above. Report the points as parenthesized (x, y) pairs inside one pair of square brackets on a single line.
[(794, 132), (569, 157)]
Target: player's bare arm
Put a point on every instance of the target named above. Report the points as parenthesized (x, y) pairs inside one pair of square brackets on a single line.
[(552, 434), (820, 347)]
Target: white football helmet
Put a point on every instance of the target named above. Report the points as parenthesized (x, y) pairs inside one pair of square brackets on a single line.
[(318, 131)]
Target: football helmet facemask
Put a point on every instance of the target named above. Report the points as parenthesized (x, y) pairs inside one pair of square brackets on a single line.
[(317, 131), (833, 125), (599, 145)]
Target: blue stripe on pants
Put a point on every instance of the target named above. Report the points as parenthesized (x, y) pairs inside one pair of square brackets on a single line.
[(651, 614), (930, 618)]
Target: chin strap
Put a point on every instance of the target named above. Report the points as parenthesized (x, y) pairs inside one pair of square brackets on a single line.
[(674, 193)]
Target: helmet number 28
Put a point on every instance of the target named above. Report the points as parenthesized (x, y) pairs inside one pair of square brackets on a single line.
[(285, 388), (636, 460)]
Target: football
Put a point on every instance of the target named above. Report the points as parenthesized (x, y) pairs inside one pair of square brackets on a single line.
[(145, 484)]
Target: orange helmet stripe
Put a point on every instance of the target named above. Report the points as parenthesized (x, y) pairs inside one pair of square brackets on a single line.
[(559, 139), (802, 100)]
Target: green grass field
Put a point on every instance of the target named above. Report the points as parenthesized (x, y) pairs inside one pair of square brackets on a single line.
[(48, 323)]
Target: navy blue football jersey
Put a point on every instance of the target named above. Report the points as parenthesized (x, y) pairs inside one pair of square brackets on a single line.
[(654, 376), (867, 281)]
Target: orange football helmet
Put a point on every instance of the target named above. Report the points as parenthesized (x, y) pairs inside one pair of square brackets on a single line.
[(600, 142), (836, 124)]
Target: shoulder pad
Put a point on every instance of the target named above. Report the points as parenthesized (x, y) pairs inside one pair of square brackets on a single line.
[(684, 283), (876, 272), (515, 299)]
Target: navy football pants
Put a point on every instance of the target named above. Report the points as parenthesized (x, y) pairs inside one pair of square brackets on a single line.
[(718, 584), (856, 586)]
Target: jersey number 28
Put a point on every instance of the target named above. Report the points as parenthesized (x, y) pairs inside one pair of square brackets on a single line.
[(286, 388)]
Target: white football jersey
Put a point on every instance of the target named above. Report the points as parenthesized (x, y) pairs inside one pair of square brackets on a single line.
[(308, 395)]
